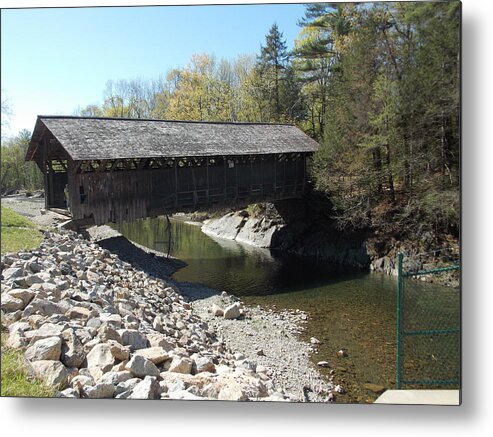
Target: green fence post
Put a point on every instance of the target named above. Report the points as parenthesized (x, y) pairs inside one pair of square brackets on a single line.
[(400, 291)]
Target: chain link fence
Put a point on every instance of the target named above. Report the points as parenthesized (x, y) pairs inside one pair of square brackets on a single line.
[(428, 324)]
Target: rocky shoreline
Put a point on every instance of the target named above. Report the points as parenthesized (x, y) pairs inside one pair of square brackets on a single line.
[(356, 252), (95, 326)]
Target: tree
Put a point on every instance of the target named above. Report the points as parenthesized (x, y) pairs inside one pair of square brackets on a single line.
[(15, 172), (271, 69)]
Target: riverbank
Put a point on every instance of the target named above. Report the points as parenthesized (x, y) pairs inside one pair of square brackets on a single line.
[(290, 229), (84, 315)]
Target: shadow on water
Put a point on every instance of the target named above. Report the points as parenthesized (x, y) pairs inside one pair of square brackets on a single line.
[(351, 311)]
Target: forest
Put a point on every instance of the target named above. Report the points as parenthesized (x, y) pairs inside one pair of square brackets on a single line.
[(376, 84)]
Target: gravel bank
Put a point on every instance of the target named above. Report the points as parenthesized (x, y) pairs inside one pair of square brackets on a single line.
[(266, 338), (271, 340)]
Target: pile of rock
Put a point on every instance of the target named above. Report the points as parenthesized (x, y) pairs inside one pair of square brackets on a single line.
[(95, 327)]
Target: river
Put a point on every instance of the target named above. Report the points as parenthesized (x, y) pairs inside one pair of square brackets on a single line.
[(351, 311)]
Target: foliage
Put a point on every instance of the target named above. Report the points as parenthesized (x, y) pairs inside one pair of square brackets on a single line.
[(15, 173), (390, 135)]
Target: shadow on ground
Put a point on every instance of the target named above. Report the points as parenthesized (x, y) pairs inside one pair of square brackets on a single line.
[(155, 265)]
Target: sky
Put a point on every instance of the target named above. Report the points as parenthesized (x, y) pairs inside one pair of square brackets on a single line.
[(54, 60)]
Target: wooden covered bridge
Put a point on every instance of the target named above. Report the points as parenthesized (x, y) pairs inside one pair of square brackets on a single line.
[(117, 170)]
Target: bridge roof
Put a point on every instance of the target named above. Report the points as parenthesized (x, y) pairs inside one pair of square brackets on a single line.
[(87, 138)]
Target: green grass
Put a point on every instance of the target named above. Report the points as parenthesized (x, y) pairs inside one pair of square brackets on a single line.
[(15, 378), (12, 219), (17, 232)]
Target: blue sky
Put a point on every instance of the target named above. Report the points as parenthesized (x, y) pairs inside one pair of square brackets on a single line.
[(54, 60)]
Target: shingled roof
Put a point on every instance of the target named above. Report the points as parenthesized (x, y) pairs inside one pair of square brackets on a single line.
[(86, 138)]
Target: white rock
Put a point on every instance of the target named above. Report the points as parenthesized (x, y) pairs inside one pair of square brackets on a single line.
[(232, 392), (101, 356), (157, 355), (323, 364), (149, 388), (232, 311)]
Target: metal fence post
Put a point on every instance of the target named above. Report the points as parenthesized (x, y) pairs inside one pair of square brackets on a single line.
[(400, 291)]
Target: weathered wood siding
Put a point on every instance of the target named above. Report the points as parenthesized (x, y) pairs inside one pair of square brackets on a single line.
[(122, 191)]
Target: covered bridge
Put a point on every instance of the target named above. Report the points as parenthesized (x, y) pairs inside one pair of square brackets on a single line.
[(117, 169)]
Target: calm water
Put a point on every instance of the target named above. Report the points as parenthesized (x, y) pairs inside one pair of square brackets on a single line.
[(351, 311)]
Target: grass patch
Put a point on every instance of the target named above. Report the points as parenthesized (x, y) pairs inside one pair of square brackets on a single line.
[(12, 219), (15, 379), (17, 232)]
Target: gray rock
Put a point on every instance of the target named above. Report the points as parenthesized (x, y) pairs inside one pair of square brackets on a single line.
[(10, 304), (133, 338), (47, 349), (149, 388), (73, 354), (68, 393), (42, 307), (106, 332), (225, 227), (141, 367), (126, 387), (54, 373), (47, 330), (11, 273), (116, 378), (100, 391)]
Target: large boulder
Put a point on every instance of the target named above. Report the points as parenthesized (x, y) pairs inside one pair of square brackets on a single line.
[(101, 357), (54, 373), (47, 349)]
